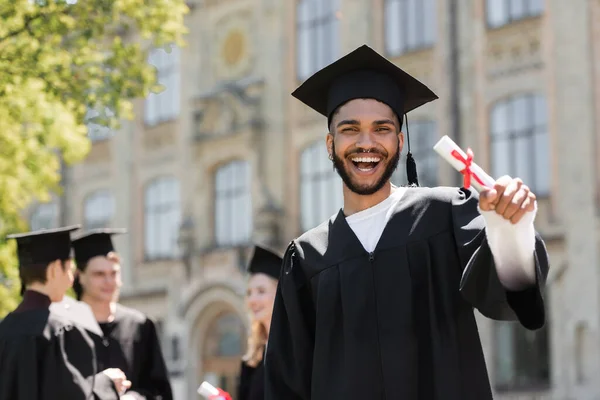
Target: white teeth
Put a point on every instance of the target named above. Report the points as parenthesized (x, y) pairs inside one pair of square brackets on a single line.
[(366, 159)]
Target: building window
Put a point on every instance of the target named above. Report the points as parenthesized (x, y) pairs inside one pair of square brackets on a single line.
[(233, 204), (423, 136), (163, 218), (164, 106), (519, 140), (44, 216), (97, 126), (522, 359), (317, 35), (409, 25), (320, 187), (502, 12), (98, 210)]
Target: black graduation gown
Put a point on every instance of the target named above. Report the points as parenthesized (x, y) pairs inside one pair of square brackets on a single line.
[(397, 323), (252, 382), (36, 357), (130, 342)]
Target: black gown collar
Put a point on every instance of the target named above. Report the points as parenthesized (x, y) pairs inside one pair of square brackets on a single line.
[(33, 300), (343, 244)]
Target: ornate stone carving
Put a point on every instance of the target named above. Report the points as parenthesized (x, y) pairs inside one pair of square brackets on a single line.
[(160, 136), (514, 48), (228, 110), (233, 52)]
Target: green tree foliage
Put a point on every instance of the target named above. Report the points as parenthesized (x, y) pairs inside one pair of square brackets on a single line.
[(59, 59)]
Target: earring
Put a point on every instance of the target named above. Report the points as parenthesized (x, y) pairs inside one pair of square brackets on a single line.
[(330, 157)]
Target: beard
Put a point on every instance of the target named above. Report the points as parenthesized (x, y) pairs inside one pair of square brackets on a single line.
[(390, 164)]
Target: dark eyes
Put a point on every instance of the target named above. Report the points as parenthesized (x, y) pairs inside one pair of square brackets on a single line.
[(378, 129)]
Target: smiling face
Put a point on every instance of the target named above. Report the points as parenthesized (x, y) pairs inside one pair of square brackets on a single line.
[(101, 279), (365, 141), (260, 297)]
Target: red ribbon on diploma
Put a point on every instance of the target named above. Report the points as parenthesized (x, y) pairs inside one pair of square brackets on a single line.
[(466, 171), (223, 395)]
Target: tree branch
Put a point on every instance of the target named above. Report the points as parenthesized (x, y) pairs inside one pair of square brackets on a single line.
[(26, 26), (28, 20)]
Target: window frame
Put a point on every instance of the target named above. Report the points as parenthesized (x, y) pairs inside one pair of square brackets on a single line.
[(424, 39), (166, 105), (53, 206), (171, 207), (322, 15), (533, 130), (315, 156), (231, 198), (508, 18), (93, 196), (517, 332), (421, 150)]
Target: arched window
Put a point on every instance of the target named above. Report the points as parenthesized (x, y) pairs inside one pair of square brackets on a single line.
[(97, 130), (44, 216), (233, 204), (98, 209), (519, 140), (164, 106), (423, 136), (320, 187), (409, 25), (317, 35), (162, 218), (224, 346)]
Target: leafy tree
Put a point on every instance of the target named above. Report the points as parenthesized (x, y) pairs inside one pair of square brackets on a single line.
[(62, 61)]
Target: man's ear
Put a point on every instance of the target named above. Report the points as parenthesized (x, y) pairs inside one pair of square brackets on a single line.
[(400, 141), (52, 270), (329, 144)]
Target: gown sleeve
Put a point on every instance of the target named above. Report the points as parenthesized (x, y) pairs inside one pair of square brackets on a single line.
[(73, 378), (289, 352), (154, 380), (80, 356), (480, 284)]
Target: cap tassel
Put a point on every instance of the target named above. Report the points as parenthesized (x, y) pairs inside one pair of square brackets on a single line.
[(411, 170), (411, 166)]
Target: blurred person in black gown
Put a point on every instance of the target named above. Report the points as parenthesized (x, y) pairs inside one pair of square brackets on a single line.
[(37, 347), (264, 269), (129, 340)]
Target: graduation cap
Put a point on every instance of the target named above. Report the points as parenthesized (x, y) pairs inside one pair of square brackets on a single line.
[(365, 74), (265, 261), (96, 242), (43, 246)]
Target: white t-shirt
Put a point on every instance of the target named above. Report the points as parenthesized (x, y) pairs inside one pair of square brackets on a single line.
[(512, 245), (368, 224)]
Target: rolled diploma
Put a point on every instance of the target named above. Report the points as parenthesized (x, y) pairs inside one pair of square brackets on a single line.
[(444, 148), (207, 390)]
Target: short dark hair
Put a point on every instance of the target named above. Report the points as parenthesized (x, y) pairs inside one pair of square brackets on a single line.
[(33, 273)]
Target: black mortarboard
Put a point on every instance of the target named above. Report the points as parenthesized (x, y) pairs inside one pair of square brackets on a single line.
[(97, 242), (43, 246), (265, 261), (365, 74)]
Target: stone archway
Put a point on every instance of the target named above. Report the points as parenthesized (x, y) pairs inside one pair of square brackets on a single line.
[(222, 347), (217, 326)]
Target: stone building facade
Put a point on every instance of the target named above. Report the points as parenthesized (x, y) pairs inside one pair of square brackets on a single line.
[(226, 157)]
